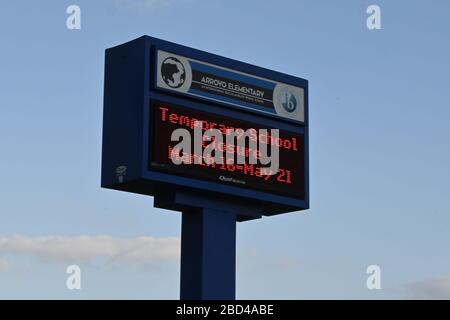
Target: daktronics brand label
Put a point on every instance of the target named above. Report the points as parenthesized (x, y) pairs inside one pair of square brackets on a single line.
[(207, 81), (288, 180)]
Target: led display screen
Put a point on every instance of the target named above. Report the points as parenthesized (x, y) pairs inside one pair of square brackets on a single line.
[(287, 181)]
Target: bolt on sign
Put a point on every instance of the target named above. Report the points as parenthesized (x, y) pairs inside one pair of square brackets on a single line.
[(177, 118)]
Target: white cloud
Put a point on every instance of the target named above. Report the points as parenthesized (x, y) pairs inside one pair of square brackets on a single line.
[(93, 248), (437, 288), (5, 265)]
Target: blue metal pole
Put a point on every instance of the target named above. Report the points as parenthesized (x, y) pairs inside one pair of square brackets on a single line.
[(208, 254)]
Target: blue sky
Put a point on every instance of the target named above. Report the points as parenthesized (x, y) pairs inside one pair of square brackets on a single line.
[(379, 143)]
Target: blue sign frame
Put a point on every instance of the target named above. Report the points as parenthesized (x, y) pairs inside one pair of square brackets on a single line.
[(131, 86)]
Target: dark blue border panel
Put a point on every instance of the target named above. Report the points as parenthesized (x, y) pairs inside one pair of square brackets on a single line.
[(130, 88)]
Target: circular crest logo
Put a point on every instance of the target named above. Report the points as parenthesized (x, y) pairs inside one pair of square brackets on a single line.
[(288, 100), (173, 72)]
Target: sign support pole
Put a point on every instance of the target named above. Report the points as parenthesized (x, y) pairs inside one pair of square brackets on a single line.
[(208, 241), (208, 254)]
